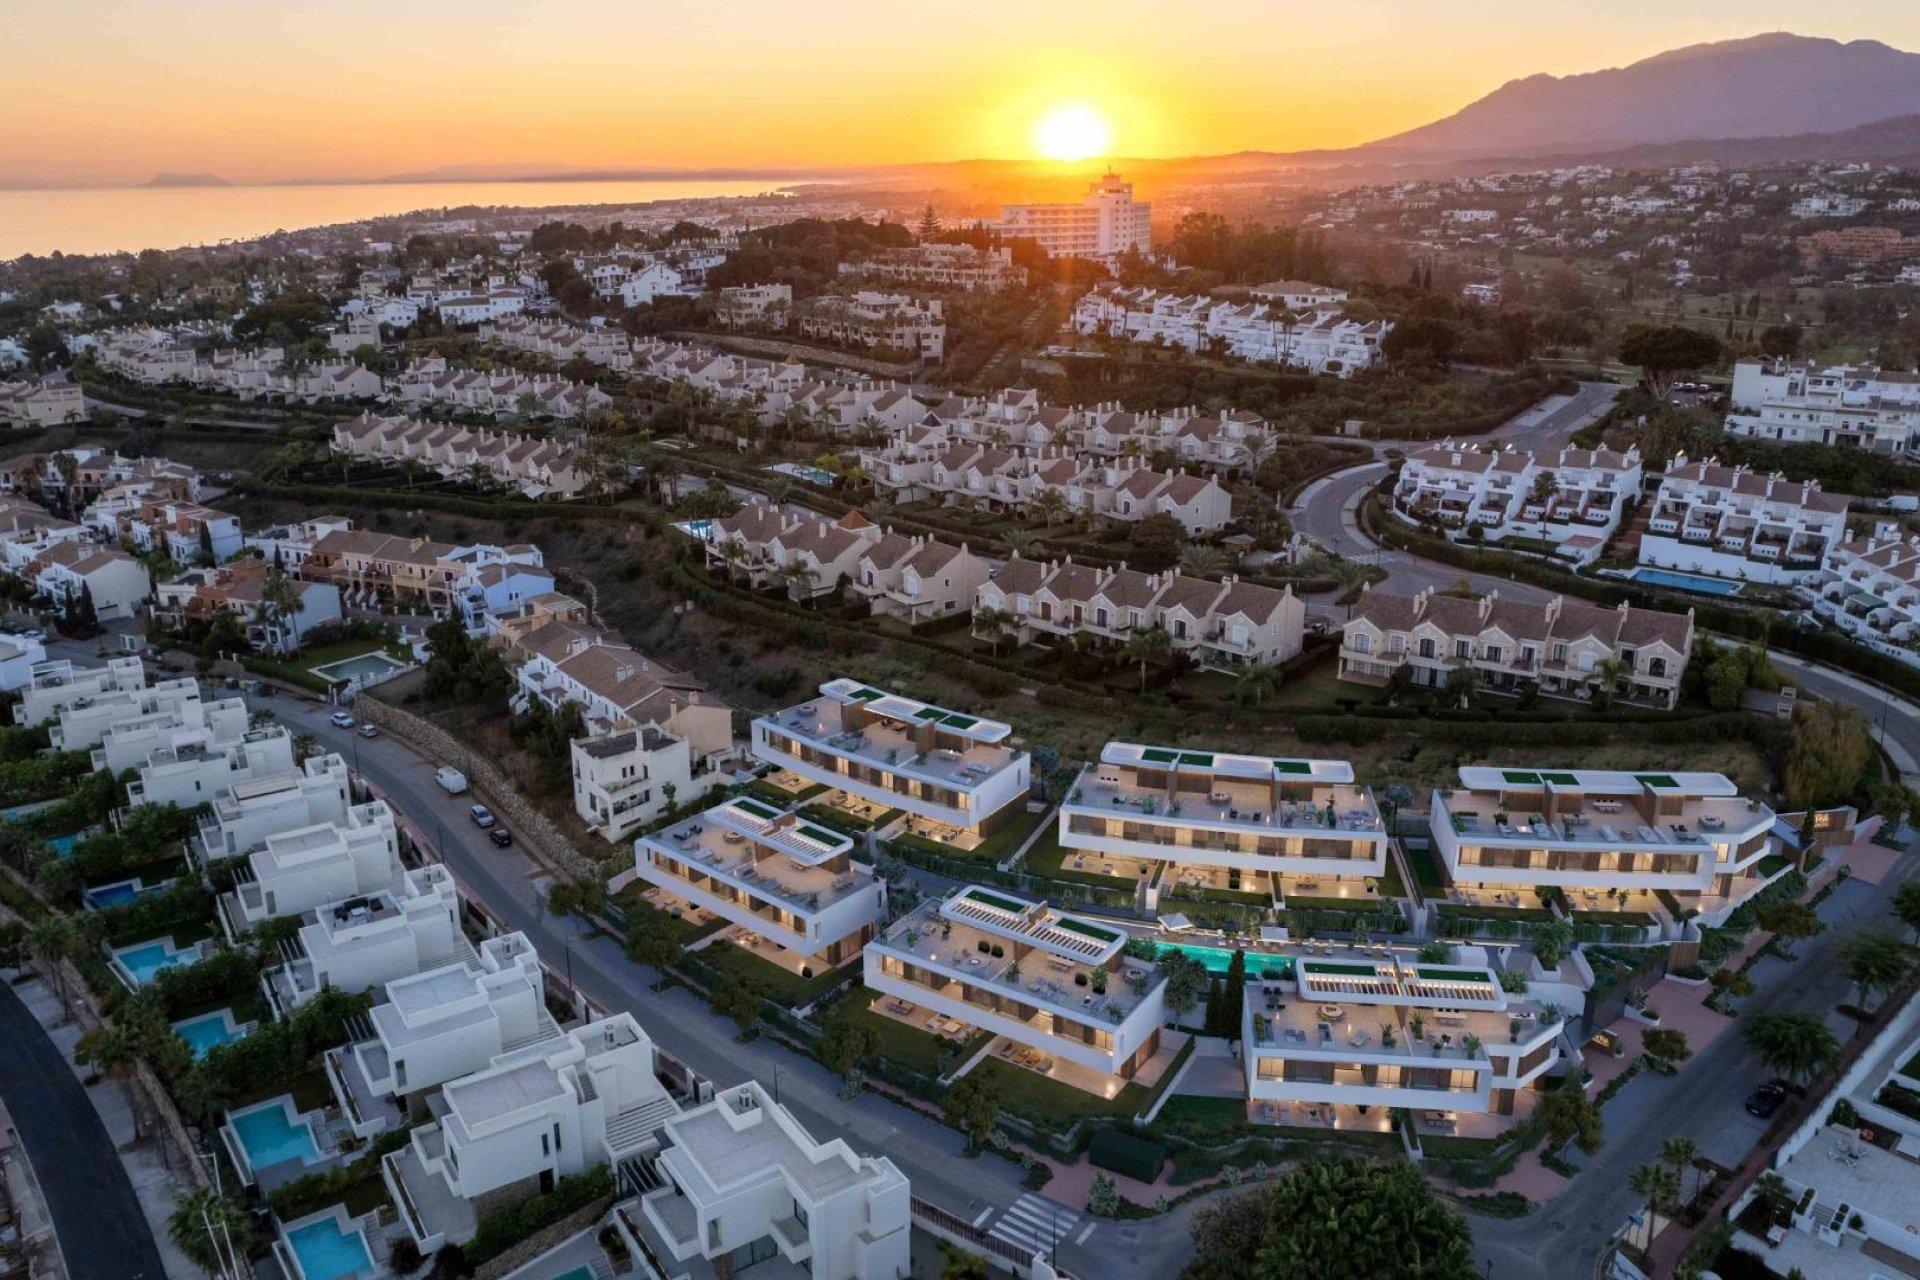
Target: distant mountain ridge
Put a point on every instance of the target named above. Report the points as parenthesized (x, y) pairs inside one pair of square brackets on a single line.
[(1774, 85), (186, 180)]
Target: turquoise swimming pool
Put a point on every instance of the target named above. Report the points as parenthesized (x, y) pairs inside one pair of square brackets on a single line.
[(209, 1031), (325, 1252), (145, 959), (1687, 582), (578, 1273), (269, 1135), (119, 893), (358, 668), (62, 846), (1219, 960)]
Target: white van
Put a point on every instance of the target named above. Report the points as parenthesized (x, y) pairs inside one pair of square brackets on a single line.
[(451, 780)]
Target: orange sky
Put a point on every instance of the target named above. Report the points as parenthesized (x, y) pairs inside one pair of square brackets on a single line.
[(111, 91)]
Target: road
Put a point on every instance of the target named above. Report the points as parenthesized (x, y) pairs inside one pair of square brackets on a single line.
[(103, 1234), (509, 887)]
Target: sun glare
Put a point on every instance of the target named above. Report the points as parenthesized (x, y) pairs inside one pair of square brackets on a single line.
[(1072, 132)]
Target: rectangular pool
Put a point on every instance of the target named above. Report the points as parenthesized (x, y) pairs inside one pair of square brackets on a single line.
[(324, 1251), (1219, 960), (269, 1134), (1686, 582), (119, 893), (144, 959), (209, 1031), (359, 668)]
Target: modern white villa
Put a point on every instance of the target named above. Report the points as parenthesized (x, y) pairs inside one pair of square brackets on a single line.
[(371, 939), (126, 743), (741, 1182), (1609, 840), (301, 869), (1338, 1041), (792, 885), (57, 684), (192, 767), (1213, 819), (944, 766), (83, 722), (1053, 986)]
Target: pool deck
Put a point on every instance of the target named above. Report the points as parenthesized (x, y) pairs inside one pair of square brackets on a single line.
[(568, 1256)]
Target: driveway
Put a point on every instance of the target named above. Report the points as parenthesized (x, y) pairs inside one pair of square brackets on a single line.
[(103, 1234)]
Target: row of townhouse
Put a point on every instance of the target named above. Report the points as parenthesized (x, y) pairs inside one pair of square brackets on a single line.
[(1730, 522), (917, 579), (1871, 587), (528, 465), (394, 574), (27, 530), (1573, 498), (64, 573), (1125, 489), (884, 322), (41, 404), (431, 382), (560, 341), (1319, 341), (940, 266), (240, 588), (655, 738), (85, 474), (1568, 648), (1858, 408), (1222, 626)]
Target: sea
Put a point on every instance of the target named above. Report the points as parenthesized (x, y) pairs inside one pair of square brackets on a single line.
[(110, 220)]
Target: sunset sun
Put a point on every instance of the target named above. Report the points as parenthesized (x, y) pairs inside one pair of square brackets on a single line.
[(1072, 131)]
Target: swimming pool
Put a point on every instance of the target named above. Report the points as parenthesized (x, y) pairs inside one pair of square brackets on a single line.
[(701, 529), (144, 959), (1687, 582), (20, 811), (359, 667), (1219, 960), (578, 1273), (119, 893), (324, 1250), (209, 1031), (813, 475), (269, 1134), (62, 846)]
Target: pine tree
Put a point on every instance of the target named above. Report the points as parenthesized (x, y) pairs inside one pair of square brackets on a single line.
[(929, 223)]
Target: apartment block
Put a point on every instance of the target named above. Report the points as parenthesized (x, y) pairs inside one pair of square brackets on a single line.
[(1574, 498), (1734, 523), (1044, 981), (741, 1182), (57, 684), (243, 816), (1249, 824), (1609, 840), (792, 885), (1870, 587), (1567, 647), (891, 323), (1320, 340), (944, 766), (1106, 222), (85, 722), (946, 266), (371, 939), (41, 404), (1855, 408), (1342, 1042), (756, 306)]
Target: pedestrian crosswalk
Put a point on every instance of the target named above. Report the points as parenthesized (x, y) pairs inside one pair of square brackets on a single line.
[(1036, 1223)]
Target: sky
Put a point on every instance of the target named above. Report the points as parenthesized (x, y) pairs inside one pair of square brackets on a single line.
[(103, 92)]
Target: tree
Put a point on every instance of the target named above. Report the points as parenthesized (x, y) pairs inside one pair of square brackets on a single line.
[(1463, 682), (1906, 905), (1147, 645), (1049, 505), (993, 625), (1552, 939), (1609, 675), (1875, 963), (1664, 352), (1666, 1045), (1186, 980), (45, 349), (1203, 561), (929, 226), (1789, 922), (1795, 1045), (1254, 683), (1103, 1197), (972, 1106), (1659, 1186), (654, 944), (1732, 983), (844, 1045), (1568, 1115), (1781, 340), (279, 606), (1341, 1219), (1679, 1153), (79, 618), (1155, 542), (54, 940), (740, 999), (1830, 749), (215, 1232)]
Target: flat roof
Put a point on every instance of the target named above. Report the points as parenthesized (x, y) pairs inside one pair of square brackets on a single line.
[(1036, 924), (913, 711), (1597, 781), (1228, 764)]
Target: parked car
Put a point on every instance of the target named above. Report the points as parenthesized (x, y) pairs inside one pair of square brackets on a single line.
[(1767, 1099), (482, 816), (368, 731), (500, 836), (341, 720), (451, 780)]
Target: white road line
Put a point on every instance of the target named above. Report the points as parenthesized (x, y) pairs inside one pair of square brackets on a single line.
[(1082, 1237), (984, 1215)]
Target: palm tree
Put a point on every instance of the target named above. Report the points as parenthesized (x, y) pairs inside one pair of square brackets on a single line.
[(732, 552), (215, 1233), (1147, 645), (1545, 486), (304, 745), (1875, 963), (1256, 682), (1049, 505), (1660, 1187), (1680, 1152), (54, 941), (113, 1047), (1795, 1045), (1025, 542), (279, 605), (1906, 906), (1203, 561), (1608, 675), (1349, 576), (801, 579), (993, 625)]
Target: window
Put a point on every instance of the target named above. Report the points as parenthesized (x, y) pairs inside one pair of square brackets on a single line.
[(1463, 648), (1362, 643)]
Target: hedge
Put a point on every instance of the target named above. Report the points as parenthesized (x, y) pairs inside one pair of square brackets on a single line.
[(1125, 1154), (500, 1229)]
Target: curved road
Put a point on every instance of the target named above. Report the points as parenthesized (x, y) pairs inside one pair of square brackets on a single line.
[(103, 1234)]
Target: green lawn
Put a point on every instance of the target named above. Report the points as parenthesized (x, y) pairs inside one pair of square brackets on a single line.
[(1452, 910), (991, 850), (903, 1045), (640, 913), (781, 796), (1391, 885), (780, 985), (848, 823), (1425, 865), (1044, 858), (1049, 1102), (1222, 895), (297, 669)]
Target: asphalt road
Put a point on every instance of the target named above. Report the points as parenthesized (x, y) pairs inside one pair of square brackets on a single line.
[(103, 1234)]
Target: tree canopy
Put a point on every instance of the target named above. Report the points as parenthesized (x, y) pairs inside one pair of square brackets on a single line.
[(1664, 352)]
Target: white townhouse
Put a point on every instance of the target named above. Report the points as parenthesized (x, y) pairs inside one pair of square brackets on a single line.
[(85, 722), (1609, 840), (1213, 819), (1573, 498), (190, 766), (56, 684), (1870, 587), (533, 467), (918, 579), (742, 1182), (650, 282), (18, 658), (538, 1114), (886, 322), (41, 404), (754, 306), (1199, 503), (239, 588), (371, 939), (118, 584), (1730, 522), (1299, 295), (1858, 408), (297, 871), (1107, 222), (1055, 989), (1343, 1042), (944, 766), (27, 531), (791, 884), (184, 532), (1568, 647), (446, 1021), (318, 792), (1319, 340)]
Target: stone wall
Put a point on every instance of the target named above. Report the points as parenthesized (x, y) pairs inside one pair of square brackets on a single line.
[(540, 837), (540, 1241)]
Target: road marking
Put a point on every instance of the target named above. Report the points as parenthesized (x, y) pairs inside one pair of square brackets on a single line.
[(1082, 1237), (984, 1215), (1036, 1223)]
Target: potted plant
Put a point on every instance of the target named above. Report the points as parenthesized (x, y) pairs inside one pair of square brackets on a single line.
[(1417, 1027), (1099, 982), (1386, 1035), (1471, 1043), (1013, 973)]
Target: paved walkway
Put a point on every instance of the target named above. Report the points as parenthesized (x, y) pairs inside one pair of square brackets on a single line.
[(103, 1232)]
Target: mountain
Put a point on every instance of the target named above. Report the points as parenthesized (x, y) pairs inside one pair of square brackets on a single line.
[(1775, 85), (186, 180)]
